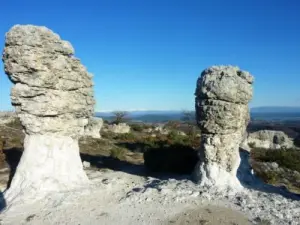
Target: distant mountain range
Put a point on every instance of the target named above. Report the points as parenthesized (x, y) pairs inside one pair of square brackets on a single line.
[(261, 113), (275, 109)]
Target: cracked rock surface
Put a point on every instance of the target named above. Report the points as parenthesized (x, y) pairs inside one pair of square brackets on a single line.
[(53, 91), (222, 113)]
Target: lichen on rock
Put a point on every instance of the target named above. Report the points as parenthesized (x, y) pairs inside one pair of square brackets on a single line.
[(222, 96)]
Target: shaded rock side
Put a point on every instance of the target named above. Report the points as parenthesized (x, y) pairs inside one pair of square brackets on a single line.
[(222, 114)]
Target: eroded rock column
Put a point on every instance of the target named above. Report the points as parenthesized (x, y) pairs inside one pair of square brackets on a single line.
[(53, 97), (222, 113)]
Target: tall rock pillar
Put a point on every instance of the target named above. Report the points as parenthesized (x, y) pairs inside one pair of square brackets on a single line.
[(222, 97), (53, 97)]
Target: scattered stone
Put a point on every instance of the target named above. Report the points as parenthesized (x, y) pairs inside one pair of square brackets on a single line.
[(86, 164), (222, 112)]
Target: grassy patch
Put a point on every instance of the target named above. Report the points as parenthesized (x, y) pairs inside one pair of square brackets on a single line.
[(286, 174), (118, 153), (289, 158)]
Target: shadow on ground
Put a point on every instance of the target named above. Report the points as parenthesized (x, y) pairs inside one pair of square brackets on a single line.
[(2, 202), (13, 156), (173, 162), (162, 161)]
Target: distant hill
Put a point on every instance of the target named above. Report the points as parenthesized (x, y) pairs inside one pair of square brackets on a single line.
[(150, 116), (257, 113), (275, 109)]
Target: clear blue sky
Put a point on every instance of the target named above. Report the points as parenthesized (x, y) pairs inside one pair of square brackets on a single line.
[(148, 54)]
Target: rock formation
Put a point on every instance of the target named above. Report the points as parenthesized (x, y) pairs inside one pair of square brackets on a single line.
[(92, 129), (222, 113), (53, 97), (268, 139), (121, 128)]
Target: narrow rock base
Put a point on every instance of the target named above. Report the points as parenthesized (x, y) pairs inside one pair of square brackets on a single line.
[(48, 164), (219, 160)]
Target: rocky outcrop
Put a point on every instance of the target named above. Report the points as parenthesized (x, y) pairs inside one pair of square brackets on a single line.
[(222, 97), (268, 139), (121, 128), (92, 129), (53, 97), (7, 117)]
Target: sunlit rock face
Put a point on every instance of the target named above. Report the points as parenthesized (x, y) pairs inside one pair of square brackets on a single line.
[(53, 97), (93, 128), (222, 97)]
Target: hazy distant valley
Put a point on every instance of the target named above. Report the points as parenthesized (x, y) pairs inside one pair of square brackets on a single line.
[(257, 113)]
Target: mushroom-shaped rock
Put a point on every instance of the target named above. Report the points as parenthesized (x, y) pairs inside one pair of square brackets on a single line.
[(53, 97), (222, 113)]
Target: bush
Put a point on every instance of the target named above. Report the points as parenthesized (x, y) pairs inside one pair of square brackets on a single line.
[(137, 127), (177, 159), (297, 141), (288, 158), (118, 153), (130, 137), (16, 124)]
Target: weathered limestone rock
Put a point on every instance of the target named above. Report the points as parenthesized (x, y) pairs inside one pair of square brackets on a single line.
[(53, 97), (269, 139), (222, 97), (92, 129), (121, 128), (7, 117)]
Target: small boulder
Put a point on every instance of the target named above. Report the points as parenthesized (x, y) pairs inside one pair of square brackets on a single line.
[(121, 128), (269, 139), (86, 164)]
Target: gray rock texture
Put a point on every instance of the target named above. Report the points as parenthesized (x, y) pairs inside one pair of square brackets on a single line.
[(53, 91), (269, 139), (93, 128), (222, 113), (53, 97)]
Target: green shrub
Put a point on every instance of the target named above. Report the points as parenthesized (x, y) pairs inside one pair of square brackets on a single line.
[(15, 123), (297, 141), (108, 135), (130, 137), (118, 153), (288, 158), (137, 127), (177, 159)]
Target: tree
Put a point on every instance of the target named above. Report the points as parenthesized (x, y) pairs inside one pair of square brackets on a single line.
[(119, 116), (189, 118)]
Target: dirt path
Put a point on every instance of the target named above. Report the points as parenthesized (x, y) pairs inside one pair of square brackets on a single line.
[(209, 215)]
